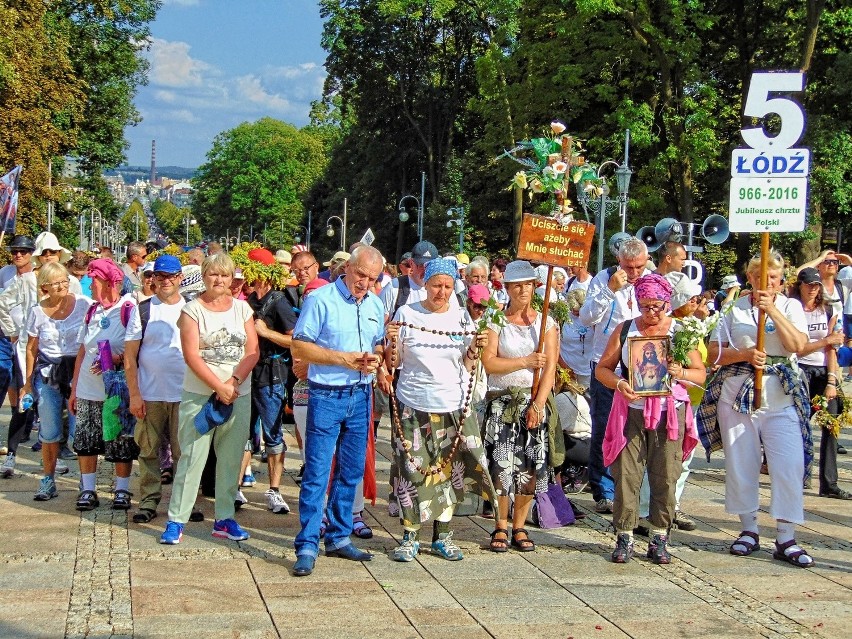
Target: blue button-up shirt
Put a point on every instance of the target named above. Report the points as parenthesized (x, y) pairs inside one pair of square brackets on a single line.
[(332, 318)]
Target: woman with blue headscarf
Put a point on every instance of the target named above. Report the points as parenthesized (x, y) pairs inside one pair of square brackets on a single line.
[(436, 440)]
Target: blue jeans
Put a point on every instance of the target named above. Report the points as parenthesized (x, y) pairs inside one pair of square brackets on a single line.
[(600, 479), (338, 419), (50, 406), (7, 355), (269, 402)]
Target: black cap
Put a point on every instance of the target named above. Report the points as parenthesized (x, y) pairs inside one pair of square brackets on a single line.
[(22, 242), (424, 252), (809, 276)]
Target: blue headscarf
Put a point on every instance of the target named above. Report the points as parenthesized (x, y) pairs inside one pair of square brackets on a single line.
[(441, 266)]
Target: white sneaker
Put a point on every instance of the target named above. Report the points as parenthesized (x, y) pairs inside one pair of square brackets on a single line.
[(61, 467), (240, 500), (276, 502), (7, 469)]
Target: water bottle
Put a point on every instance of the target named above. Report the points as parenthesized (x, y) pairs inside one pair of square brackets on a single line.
[(838, 328), (27, 402)]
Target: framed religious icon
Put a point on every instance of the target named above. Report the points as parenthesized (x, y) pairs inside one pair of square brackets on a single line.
[(649, 364)]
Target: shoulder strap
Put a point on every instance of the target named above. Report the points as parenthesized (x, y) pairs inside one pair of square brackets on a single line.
[(291, 294), (144, 314), (91, 313), (403, 291), (841, 293), (570, 282), (611, 270), (625, 329), (126, 309), (273, 298)]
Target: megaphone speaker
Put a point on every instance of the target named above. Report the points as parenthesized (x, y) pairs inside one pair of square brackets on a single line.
[(715, 229), (668, 229), (648, 234), (615, 241)]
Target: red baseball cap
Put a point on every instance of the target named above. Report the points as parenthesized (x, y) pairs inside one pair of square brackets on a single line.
[(262, 255)]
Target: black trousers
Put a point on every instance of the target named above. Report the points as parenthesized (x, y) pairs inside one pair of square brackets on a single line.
[(817, 379)]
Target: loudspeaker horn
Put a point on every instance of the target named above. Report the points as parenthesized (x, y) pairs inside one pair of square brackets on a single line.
[(648, 234), (616, 240), (668, 229), (715, 229)]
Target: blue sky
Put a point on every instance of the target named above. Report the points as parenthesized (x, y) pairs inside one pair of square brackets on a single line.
[(218, 63)]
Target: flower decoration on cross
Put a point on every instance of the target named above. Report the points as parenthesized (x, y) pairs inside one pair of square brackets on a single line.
[(556, 164)]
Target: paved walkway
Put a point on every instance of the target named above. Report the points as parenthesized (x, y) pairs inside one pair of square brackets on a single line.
[(66, 574)]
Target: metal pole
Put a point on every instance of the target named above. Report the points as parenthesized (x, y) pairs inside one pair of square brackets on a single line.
[(92, 231), (239, 234), (82, 232), (420, 211), (187, 228), (461, 231), (282, 231), (137, 226), (601, 234), (308, 239), (343, 233), (622, 200)]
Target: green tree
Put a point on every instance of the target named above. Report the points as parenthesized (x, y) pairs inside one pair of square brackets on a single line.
[(173, 222), (258, 173), (134, 215)]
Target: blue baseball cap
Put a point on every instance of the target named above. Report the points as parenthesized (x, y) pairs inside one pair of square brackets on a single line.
[(167, 264), (844, 356), (214, 413)]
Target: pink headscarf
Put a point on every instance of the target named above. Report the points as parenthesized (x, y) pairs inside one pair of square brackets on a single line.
[(653, 287), (105, 269)]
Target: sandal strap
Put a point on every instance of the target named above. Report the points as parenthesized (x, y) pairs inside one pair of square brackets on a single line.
[(748, 533), (497, 531), (516, 531)]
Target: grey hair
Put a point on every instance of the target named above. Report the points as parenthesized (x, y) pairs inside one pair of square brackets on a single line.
[(477, 262), (632, 248), (366, 253)]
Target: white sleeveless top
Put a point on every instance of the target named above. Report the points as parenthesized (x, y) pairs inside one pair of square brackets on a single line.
[(517, 341)]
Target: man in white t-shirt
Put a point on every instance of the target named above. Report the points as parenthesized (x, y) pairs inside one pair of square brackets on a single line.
[(155, 369), (580, 278)]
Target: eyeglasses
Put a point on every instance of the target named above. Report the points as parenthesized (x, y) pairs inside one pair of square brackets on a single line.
[(478, 307), (831, 262), (304, 269), (58, 285), (652, 308), (50, 252), (167, 276)]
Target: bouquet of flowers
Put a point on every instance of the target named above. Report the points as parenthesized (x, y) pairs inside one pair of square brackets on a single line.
[(689, 331), (493, 316), (824, 419)]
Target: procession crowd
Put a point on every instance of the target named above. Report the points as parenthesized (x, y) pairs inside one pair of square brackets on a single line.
[(191, 370)]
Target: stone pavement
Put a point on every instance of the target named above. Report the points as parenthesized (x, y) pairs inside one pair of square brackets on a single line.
[(67, 574)]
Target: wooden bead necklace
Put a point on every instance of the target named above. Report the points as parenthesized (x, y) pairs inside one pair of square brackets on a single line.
[(438, 468)]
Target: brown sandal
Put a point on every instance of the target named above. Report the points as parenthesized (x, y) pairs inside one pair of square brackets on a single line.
[(499, 545), (522, 545)]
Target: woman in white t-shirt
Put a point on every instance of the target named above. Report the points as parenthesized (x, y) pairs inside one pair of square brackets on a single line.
[(437, 445), (52, 326), (105, 321), (780, 424), (818, 361), (220, 347)]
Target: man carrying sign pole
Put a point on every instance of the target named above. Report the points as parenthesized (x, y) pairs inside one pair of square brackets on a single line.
[(758, 398)]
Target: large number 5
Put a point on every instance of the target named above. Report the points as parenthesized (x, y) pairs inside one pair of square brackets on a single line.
[(758, 104)]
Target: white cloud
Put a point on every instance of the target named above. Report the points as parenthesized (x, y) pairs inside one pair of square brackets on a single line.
[(165, 96), (172, 66), (181, 115), (251, 88), (293, 72)]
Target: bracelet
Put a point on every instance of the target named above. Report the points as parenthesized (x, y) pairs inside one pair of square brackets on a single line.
[(471, 354), (239, 381), (535, 407), (618, 383), (832, 375)]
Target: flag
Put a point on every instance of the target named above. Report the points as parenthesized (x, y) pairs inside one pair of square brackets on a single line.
[(368, 238), (9, 200)]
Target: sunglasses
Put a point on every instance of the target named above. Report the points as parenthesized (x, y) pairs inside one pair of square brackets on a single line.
[(50, 252), (831, 262), (16, 251)]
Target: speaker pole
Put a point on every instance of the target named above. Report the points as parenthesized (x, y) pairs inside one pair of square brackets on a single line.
[(761, 316)]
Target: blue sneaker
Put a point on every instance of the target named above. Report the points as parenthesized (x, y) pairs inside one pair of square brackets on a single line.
[(447, 548), (248, 481), (229, 529), (46, 490), (408, 549), (173, 533)]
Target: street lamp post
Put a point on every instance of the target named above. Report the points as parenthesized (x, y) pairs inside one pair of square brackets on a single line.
[(403, 214), (189, 222), (329, 230), (602, 205), (459, 220), (297, 238)]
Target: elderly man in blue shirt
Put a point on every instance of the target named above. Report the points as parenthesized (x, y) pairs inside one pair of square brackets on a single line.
[(340, 333)]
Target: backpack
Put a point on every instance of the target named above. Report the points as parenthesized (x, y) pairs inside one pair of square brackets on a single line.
[(126, 309)]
